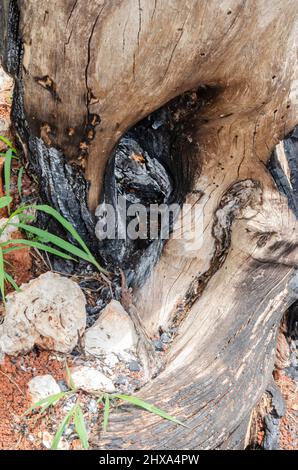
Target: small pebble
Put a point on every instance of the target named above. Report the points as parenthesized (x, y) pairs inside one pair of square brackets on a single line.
[(136, 384), (69, 404), (121, 380), (134, 366), (157, 124), (165, 338), (158, 345), (63, 386), (92, 406), (111, 360)]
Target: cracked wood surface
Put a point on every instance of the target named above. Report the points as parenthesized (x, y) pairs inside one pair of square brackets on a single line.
[(222, 357), (126, 58)]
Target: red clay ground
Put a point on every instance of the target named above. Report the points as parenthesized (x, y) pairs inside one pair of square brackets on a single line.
[(17, 432), (289, 423)]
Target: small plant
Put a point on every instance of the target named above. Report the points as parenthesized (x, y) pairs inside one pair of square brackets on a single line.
[(75, 414), (37, 238), (107, 399), (8, 156)]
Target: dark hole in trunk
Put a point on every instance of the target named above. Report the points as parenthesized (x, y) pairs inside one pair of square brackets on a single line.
[(153, 163), (163, 174)]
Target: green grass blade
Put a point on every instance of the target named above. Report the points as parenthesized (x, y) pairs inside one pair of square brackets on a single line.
[(38, 245), (20, 178), (12, 248), (25, 218), (7, 171), (50, 403), (8, 143), (50, 400), (44, 408), (69, 377), (80, 427), (50, 211), (42, 234), (62, 428), (5, 201), (18, 211), (148, 407), (67, 225), (10, 279), (106, 412), (2, 276)]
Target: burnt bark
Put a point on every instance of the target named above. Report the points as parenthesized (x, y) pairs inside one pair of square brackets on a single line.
[(174, 102)]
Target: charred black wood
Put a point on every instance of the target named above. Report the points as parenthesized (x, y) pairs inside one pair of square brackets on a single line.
[(10, 41), (272, 420), (288, 186), (163, 176), (292, 338), (152, 164)]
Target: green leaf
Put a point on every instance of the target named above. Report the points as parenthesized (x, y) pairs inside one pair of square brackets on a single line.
[(55, 240), (67, 225), (2, 272), (25, 218), (80, 427), (8, 143), (5, 201), (88, 255), (106, 413), (9, 279), (45, 235), (148, 407), (51, 400), (45, 407), (18, 211), (12, 248), (20, 177), (7, 171), (62, 428), (69, 377), (39, 246)]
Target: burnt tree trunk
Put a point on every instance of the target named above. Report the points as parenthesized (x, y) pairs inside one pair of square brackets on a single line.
[(221, 81)]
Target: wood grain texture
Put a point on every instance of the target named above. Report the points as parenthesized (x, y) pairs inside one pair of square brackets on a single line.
[(96, 70), (223, 356)]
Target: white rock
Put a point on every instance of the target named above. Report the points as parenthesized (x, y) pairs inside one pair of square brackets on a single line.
[(42, 386), (9, 230), (49, 312), (2, 357), (127, 356), (113, 332), (111, 360), (6, 85), (91, 380)]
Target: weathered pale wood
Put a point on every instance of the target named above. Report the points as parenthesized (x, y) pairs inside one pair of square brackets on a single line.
[(222, 357), (90, 70), (125, 59)]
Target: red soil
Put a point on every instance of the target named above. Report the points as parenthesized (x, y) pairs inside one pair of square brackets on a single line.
[(17, 432)]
